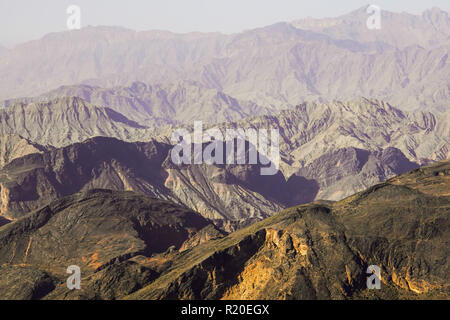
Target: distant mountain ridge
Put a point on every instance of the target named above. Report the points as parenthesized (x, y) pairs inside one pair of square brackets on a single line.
[(158, 105), (277, 66), (431, 28)]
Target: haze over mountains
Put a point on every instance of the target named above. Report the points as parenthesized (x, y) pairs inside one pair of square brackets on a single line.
[(427, 30), (277, 66), (328, 150), (87, 178), (158, 105)]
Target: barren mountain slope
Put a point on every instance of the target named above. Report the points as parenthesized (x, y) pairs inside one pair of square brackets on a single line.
[(328, 152), (66, 120), (224, 192), (131, 246), (349, 170), (312, 129), (322, 251), (13, 146), (344, 147), (97, 231)]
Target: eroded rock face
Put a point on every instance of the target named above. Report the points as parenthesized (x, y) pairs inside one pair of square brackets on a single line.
[(13, 146), (304, 259)]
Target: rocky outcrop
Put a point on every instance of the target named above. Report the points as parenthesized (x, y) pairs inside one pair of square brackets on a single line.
[(322, 251), (13, 146)]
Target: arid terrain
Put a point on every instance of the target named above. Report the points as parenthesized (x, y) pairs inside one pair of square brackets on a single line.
[(362, 117), (132, 246)]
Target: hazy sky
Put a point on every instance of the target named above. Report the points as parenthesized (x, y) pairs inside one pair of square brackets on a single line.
[(23, 20)]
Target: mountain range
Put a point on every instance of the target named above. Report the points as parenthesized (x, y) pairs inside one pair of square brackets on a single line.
[(157, 105), (120, 241), (233, 194), (427, 30), (277, 66), (328, 151), (66, 120), (322, 250), (87, 176), (116, 234)]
